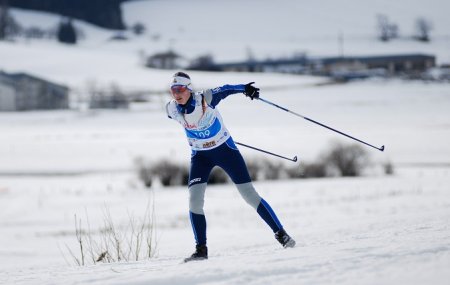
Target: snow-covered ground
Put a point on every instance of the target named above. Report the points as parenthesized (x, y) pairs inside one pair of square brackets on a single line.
[(374, 229), (389, 230), (370, 230)]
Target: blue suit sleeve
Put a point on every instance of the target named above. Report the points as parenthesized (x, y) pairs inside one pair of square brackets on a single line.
[(217, 94)]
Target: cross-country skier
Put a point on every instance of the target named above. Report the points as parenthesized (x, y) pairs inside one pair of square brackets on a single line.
[(212, 145)]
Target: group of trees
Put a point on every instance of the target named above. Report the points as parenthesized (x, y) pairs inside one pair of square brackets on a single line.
[(388, 30), (65, 31), (103, 13), (8, 26)]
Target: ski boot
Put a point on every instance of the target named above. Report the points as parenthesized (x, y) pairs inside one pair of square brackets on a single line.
[(201, 253), (283, 238)]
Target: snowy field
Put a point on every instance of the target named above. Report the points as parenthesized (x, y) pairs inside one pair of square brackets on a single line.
[(374, 229), (392, 230)]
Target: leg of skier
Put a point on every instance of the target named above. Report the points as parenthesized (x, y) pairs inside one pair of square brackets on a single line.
[(198, 177), (236, 168)]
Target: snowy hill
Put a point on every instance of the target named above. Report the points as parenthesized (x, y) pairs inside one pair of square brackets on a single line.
[(104, 13), (280, 28), (230, 30)]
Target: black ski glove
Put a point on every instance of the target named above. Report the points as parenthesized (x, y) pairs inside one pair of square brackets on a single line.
[(251, 91)]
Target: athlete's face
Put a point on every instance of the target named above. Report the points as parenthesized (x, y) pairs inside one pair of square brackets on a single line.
[(181, 94)]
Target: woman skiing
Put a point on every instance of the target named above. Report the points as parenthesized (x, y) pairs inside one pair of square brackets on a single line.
[(212, 145)]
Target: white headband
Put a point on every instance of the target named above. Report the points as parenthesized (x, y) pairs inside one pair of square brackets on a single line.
[(178, 80)]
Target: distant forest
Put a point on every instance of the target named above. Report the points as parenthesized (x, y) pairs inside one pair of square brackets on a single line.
[(103, 13)]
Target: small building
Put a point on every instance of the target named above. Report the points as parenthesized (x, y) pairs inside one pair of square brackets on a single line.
[(22, 92), (285, 65), (365, 66), (164, 60), (7, 94), (393, 64)]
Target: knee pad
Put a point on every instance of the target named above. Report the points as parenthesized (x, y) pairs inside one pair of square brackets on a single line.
[(249, 194), (197, 198)]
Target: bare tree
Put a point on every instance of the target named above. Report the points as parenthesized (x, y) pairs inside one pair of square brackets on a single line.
[(346, 160), (139, 28), (8, 26), (386, 29), (423, 28)]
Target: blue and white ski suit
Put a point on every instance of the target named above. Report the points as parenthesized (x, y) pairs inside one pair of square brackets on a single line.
[(212, 145)]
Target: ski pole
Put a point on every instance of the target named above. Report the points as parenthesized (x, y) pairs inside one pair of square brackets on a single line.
[(268, 152), (320, 124)]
